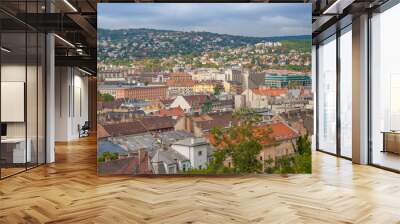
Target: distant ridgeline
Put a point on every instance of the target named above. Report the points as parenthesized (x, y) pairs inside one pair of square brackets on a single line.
[(129, 44)]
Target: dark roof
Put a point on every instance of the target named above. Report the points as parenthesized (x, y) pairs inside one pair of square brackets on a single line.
[(196, 100), (129, 165), (140, 125), (157, 123), (166, 102), (217, 120), (125, 128)]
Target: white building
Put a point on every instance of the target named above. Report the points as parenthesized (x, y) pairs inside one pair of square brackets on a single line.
[(190, 103), (240, 101), (260, 97), (207, 74), (195, 150), (169, 162), (186, 154)]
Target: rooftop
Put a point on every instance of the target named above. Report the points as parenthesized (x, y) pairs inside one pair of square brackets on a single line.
[(270, 91), (169, 156), (107, 146), (180, 83), (140, 125), (192, 142), (130, 165), (279, 131), (196, 100), (174, 111), (208, 121), (101, 132), (269, 133)]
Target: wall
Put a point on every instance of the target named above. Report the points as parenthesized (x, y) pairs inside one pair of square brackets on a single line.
[(71, 102), (16, 73)]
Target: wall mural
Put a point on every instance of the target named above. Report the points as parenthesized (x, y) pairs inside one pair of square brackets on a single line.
[(204, 88)]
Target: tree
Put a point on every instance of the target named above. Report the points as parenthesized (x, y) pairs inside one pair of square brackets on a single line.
[(303, 161), (298, 163), (206, 107), (304, 145), (217, 91), (107, 155), (105, 97), (240, 143)]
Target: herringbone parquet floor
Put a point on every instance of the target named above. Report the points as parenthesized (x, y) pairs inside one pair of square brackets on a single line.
[(70, 192)]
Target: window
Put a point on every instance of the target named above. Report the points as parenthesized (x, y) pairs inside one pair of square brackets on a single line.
[(327, 95), (199, 153), (385, 89), (171, 170), (346, 92), (22, 66)]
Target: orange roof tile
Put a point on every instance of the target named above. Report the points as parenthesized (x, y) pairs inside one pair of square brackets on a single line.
[(175, 111), (180, 83), (270, 91), (267, 133), (279, 131)]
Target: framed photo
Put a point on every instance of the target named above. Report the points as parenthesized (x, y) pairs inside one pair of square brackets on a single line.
[(204, 88)]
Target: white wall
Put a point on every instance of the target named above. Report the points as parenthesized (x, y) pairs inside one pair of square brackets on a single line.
[(181, 102), (33, 126), (192, 154), (71, 103)]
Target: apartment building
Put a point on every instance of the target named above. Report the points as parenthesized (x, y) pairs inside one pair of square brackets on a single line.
[(153, 92)]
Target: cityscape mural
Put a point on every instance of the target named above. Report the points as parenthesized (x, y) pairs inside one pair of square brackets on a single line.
[(210, 89)]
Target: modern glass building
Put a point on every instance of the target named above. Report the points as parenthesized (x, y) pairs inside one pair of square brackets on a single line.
[(287, 81)]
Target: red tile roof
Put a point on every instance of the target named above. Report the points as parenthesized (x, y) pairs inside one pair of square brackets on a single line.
[(270, 91), (175, 111), (280, 131), (269, 133)]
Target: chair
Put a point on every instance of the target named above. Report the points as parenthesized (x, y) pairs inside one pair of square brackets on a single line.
[(84, 130)]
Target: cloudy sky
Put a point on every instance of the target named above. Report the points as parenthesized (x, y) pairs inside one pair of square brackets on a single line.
[(249, 19)]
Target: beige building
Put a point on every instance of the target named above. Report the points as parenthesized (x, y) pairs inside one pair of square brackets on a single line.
[(204, 87), (259, 97)]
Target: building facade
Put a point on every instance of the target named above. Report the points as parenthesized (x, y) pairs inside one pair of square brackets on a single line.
[(143, 92), (287, 81)]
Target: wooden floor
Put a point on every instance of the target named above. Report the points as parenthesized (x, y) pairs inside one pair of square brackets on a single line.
[(70, 192)]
